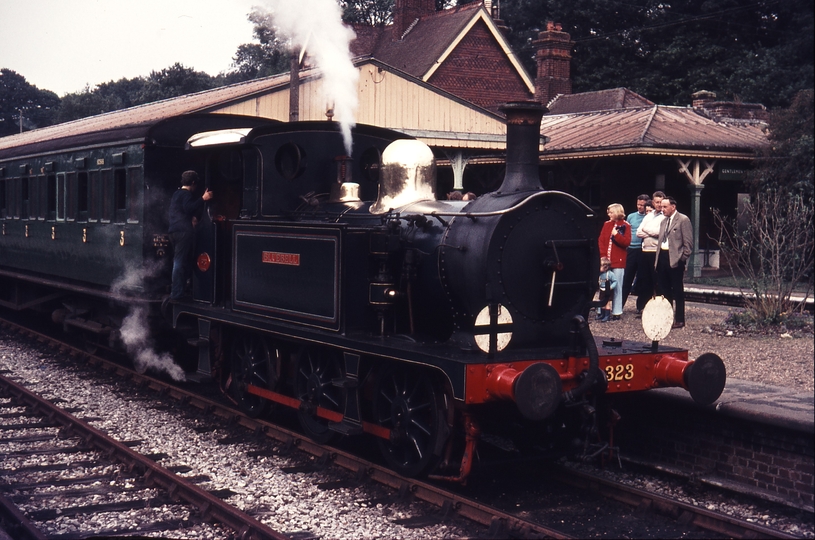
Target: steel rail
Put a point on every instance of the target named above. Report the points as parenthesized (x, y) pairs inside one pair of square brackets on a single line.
[(502, 523), (686, 513), (179, 488)]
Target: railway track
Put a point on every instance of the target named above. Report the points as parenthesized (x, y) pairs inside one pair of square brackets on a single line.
[(448, 504), (73, 447)]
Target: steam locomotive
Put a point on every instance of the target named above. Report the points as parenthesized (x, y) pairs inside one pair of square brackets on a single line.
[(334, 284)]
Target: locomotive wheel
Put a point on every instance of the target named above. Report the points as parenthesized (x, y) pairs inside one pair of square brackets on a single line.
[(316, 371), (412, 406), (252, 363)]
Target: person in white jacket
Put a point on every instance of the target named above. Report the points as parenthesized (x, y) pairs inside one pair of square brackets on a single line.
[(648, 230)]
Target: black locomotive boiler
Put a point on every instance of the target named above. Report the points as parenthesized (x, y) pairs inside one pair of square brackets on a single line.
[(338, 286)]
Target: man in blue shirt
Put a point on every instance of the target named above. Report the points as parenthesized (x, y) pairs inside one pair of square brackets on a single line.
[(634, 252), (185, 210)]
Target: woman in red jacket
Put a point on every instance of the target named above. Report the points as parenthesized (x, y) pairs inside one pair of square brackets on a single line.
[(613, 242)]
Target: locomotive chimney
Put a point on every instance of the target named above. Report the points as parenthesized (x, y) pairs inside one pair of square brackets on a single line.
[(523, 146)]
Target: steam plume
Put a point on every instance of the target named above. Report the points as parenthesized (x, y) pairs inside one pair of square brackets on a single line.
[(135, 330), (135, 335), (317, 25)]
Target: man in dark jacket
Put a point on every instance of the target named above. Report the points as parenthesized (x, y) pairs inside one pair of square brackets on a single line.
[(185, 210)]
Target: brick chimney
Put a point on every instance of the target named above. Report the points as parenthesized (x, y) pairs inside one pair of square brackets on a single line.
[(407, 11), (554, 59), (702, 98)]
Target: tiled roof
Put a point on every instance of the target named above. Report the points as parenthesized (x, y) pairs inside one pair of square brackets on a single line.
[(423, 44), (658, 129), (601, 100)]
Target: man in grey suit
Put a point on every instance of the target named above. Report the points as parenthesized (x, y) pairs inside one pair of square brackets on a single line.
[(675, 248)]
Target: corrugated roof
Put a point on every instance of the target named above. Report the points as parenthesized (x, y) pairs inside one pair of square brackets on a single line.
[(658, 129), (134, 122)]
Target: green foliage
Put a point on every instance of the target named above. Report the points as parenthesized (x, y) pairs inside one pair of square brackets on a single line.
[(759, 52), (170, 82), (370, 12), (17, 97), (269, 56), (789, 163)]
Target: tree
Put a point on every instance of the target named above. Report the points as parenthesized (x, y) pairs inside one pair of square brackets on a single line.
[(170, 82), (369, 12), (789, 163), (771, 244), (268, 57), (18, 97), (176, 80), (757, 52)]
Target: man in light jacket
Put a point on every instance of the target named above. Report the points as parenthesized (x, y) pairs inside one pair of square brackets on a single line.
[(675, 248)]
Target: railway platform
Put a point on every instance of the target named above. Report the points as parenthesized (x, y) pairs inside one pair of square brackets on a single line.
[(755, 439), (756, 402)]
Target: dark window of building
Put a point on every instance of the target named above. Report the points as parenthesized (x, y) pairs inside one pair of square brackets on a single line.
[(93, 198), (52, 196), (107, 195)]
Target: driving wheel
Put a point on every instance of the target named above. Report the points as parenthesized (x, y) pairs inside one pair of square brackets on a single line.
[(316, 370), (252, 364), (413, 407)]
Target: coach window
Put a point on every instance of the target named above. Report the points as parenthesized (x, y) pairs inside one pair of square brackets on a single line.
[(82, 196), (52, 197), (34, 197), (24, 198), (70, 196), (120, 195), (61, 183), (3, 209), (14, 197), (107, 195), (42, 211), (94, 188)]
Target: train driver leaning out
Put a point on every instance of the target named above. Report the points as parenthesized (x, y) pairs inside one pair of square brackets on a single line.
[(186, 208)]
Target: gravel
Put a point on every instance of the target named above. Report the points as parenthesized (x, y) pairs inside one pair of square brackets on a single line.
[(286, 502), (783, 358)]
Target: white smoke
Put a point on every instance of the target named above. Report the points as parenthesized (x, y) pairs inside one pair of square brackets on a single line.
[(316, 25), (135, 335), (135, 330)]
